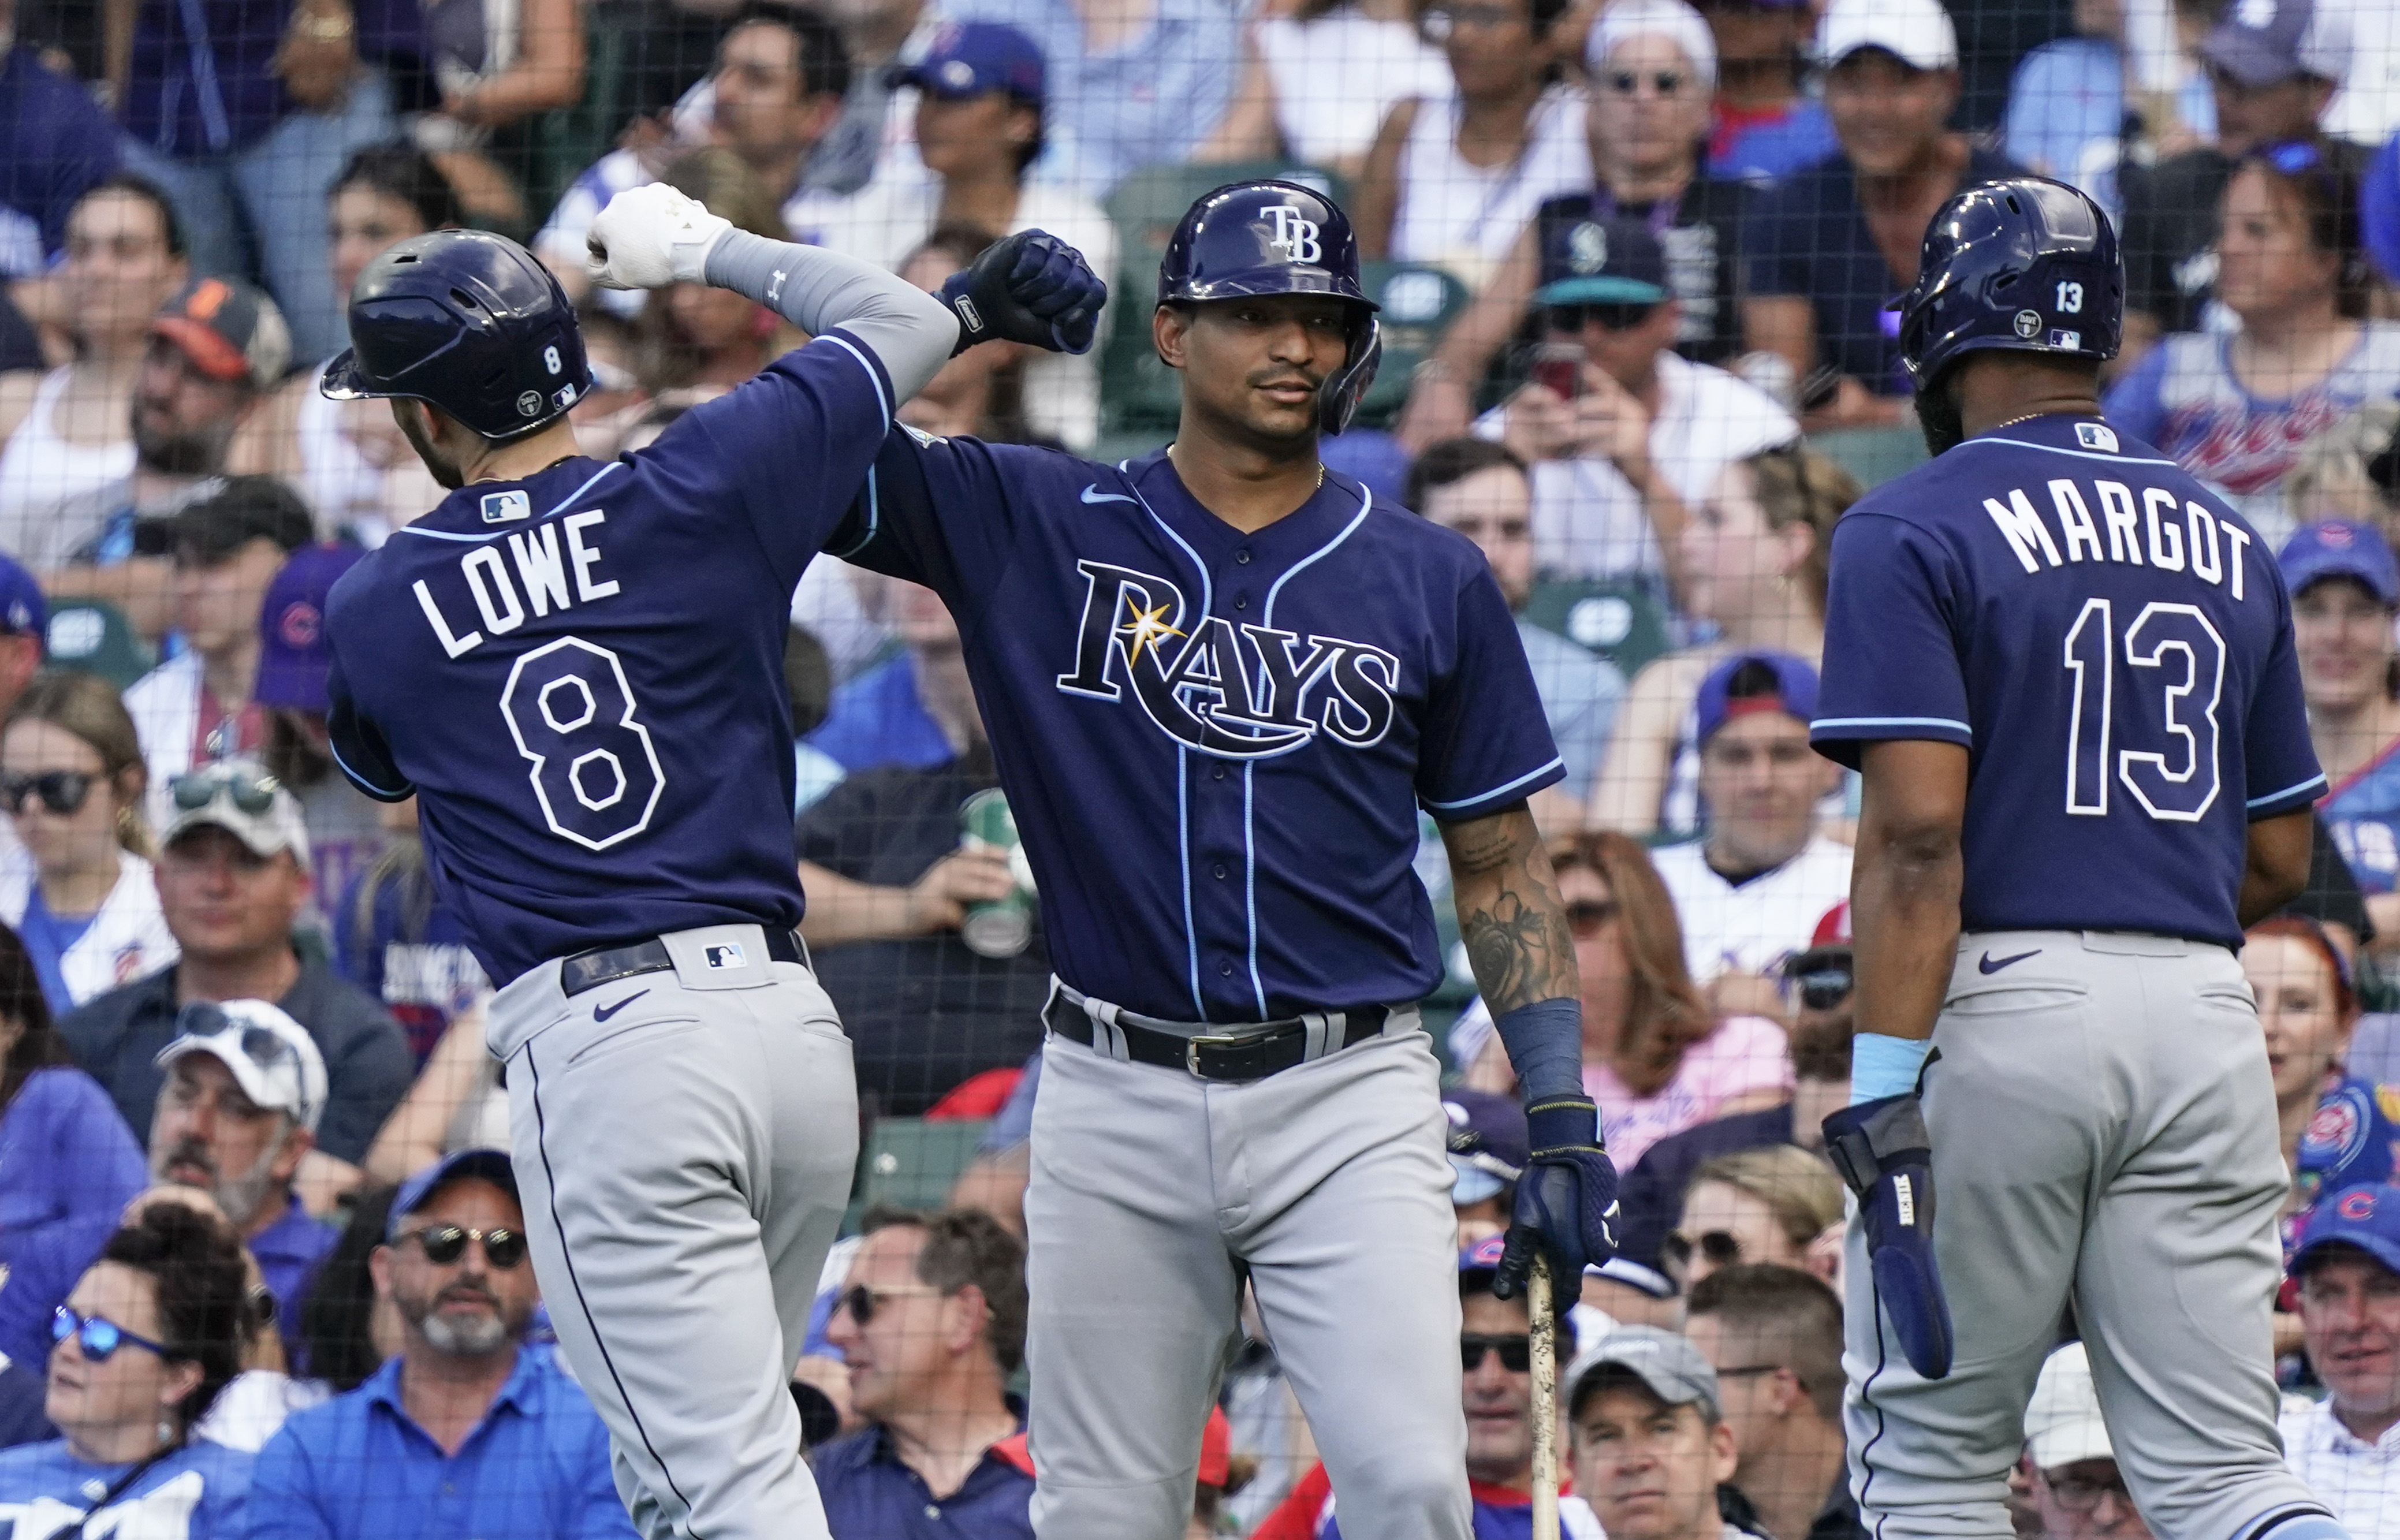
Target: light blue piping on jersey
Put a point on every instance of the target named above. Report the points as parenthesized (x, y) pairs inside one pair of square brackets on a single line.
[(1890, 722), (2079, 454), (882, 400), (478, 540), (361, 781), (1556, 761), (2279, 796), (1182, 783)]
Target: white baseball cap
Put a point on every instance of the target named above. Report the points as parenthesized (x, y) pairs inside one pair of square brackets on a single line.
[(2063, 1423), (1672, 19), (1917, 30), (239, 797), (271, 1057)]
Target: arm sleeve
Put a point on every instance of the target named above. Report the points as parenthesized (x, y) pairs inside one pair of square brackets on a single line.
[(1486, 744), (909, 331), (1892, 654), (2280, 767)]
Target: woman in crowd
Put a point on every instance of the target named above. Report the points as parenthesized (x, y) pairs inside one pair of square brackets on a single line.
[(1452, 179), (1319, 77), (69, 432), (151, 1334), (981, 392), (695, 341), (77, 888), (1753, 560), (2307, 1007), (346, 1329), (1767, 1204), (2235, 410), (2345, 590)]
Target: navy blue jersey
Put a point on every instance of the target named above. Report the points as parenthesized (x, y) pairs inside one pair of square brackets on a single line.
[(582, 673), (1216, 744), (2110, 643)]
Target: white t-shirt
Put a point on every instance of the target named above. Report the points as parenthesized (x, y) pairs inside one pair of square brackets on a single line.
[(1465, 217), (1751, 929), (1336, 78)]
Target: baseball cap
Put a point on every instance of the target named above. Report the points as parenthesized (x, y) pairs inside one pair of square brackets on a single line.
[(2267, 42), (272, 1057), (241, 798), (1489, 1144), (23, 611), (1602, 262), (2063, 1423), (1672, 19), (228, 330), (2341, 547), (293, 660), (970, 58), (2366, 1217), (1917, 32), (1795, 693), (243, 508), (1666, 1364), (489, 1164)]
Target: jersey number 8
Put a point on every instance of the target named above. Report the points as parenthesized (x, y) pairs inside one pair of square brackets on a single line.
[(2167, 704), (594, 768)]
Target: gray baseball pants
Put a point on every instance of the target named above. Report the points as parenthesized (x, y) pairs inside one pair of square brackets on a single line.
[(684, 1143), (1331, 1182), (2104, 1126)]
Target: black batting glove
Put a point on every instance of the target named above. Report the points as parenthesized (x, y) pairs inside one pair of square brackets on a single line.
[(1886, 1156), (1566, 1200), (1031, 288)]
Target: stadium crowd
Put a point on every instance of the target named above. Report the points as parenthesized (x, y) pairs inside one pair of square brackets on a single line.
[(263, 1269)]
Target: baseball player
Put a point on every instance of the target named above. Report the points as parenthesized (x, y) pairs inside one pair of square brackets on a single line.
[(577, 667), (2066, 672), (1220, 682)]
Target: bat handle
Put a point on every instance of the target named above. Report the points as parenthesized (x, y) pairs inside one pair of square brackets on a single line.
[(1545, 1330)]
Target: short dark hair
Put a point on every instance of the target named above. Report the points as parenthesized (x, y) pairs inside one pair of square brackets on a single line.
[(39, 1044), (337, 1315), (1563, 1304), (402, 171), (195, 1264), (1455, 460), (244, 509), (967, 1246), (1796, 1313), (148, 192), (825, 58)]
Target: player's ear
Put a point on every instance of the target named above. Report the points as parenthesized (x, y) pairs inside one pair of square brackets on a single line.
[(1169, 325)]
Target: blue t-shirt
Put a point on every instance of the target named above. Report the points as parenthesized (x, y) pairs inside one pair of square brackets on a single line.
[(55, 140), (878, 718), (47, 937), (1764, 150), (197, 1492), (582, 673), (68, 1166), (1216, 743), (2067, 115), (2110, 643)]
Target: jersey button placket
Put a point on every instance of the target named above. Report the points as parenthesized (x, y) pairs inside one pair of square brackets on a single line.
[(1243, 556)]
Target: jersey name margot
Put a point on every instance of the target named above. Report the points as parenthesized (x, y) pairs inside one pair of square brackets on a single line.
[(549, 568), (2103, 520)]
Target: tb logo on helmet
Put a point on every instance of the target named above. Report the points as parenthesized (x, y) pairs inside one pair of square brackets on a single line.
[(1295, 235)]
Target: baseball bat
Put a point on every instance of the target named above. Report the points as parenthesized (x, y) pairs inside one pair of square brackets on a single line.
[(1546, 1400)]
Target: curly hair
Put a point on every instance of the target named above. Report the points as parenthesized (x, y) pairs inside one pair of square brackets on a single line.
[(194, 1262)]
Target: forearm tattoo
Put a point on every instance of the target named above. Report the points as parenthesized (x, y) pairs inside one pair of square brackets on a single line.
[(1509, 914)]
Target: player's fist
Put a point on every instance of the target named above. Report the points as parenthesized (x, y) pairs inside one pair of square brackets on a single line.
[(649, 237), (1566, 1200), (1031, 288), (1884, 1154)]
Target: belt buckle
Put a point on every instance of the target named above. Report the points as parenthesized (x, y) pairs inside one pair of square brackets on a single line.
[(1191, 1046)]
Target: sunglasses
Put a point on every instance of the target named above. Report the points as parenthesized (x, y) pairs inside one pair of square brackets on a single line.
[(1628, 82), (1441, 22), (1608, 317), (1585, 916), (1516, 1352), (253, 794), (62, 792), (1720, 1247), (1822, 976), (445, 1243), (862, 1301), (261, 1046), (2080, 1494), (96, 1338)]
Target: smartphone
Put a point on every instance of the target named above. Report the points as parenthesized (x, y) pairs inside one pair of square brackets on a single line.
[(1558, 367)]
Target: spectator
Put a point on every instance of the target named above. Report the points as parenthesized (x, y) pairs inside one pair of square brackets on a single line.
[(245, 1090), (2078, 1491), (1767, 1204), (931, 1323), (395, 938), (2348, 1268), (2351, 471), (981, 392), (457, 1102), (889, 885), (196, 707), (1495, 1345), (1654, 1059), (1320, 77), (347, 1330), (70, 1163), (58, 144), (232, 880), (1645, 145), (1488, 1149), (697, 341), (2272, 67), (1827, 246), (2307, 1006), (2236, 411), (2068, 105), (464, 1431), (345, 826), (1774, 1336), (870, 142), (1763, 126), (77, 888), (1751, 890), (1452, 179), (1627, 435), (66, 431), (2345, 589), (149, 1337), (495, 67), (1481, 490), (1650, 1447), (1754, 559), (24, 637)]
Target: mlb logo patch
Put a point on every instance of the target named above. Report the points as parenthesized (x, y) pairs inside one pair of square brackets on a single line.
[(2096, 435), (2060, 338), (726, 956), (506, 506)]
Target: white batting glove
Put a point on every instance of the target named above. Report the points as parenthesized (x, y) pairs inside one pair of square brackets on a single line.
[(649, 237)]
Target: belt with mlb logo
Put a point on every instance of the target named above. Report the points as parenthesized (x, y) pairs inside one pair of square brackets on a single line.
[(607, 965)]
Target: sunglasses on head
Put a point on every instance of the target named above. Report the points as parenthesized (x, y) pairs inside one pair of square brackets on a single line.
[(1628, 82), (62, 792), (862, 1301), (1585, 916), (261, 1045), (1442, 20), (252, 793), (97, 1338), (1516, 1351), (1721, 1248), (1608, 317), (445, 1243), (1823, 977)]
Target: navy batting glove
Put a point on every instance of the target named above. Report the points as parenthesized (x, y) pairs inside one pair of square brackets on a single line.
[(1566, 1200), (1031, 288), (1884, 1153)]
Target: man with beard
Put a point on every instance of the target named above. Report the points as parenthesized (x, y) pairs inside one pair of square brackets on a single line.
[(465, 1432), (215, 352)]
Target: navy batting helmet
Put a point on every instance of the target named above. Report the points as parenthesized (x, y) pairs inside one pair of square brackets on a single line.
[(1249, 238), (470, 323), (2023, 262)]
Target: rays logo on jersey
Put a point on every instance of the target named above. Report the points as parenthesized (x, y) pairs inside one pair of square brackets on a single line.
[(1240, 692)]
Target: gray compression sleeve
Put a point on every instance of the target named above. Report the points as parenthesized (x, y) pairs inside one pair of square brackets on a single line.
[(908, 330)]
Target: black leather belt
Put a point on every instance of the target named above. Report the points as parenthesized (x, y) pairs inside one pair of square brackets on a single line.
[(1252, 1052), (607, 965)]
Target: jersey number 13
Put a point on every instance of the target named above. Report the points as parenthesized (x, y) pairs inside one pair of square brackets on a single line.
[(2153, 729), (594, 769)]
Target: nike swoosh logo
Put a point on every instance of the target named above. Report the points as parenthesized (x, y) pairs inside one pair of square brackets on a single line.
[(1093, 493), (1989, 966), (602, 1012)]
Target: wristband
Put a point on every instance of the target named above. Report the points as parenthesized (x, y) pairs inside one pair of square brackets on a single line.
[(1882, 1066), (1545, 1043)]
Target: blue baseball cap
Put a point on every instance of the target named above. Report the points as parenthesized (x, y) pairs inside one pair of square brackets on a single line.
[(1602, 262), (23, 611), (485, 1164), (1489, 1145), (2341, 547), (972, 58), (2366, 1217), (294, 661), (1795, 693)]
